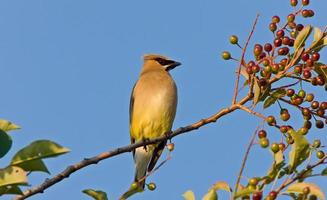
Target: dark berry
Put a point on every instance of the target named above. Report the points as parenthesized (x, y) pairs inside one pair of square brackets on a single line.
[(315, 56), (268, 47), (262, 134), (319, 124)]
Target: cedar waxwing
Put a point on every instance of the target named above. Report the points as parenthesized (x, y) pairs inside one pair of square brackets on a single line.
[(152, 112)]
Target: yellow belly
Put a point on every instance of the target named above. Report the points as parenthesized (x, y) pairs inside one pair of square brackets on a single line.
[(151, 122)]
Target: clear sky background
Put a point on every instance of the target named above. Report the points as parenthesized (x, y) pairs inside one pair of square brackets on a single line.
[(68, 67)]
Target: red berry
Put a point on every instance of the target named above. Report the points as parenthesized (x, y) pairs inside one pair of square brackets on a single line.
[(323, 105), (262, 134), (286, 40), (275, 19), (315, 56), (309, 63), (299, 27), (305, 57), (305, 13), (257, 196), (273, 194), (305, 2), (293, 3), (268, 47), (306, 74), (280, 33), (314, 104), (291, 18), (290, 92), (277, 42), (272, 27)]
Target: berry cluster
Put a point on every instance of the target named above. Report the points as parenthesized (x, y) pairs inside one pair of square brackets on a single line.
[(287, 57)]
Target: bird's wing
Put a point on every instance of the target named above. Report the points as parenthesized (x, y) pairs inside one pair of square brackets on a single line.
[(156, 155), (131, 107)]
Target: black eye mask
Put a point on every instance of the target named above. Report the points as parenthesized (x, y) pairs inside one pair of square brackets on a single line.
[(164, 62)]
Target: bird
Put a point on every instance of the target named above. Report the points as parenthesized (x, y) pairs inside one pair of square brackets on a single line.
[(152, 111)]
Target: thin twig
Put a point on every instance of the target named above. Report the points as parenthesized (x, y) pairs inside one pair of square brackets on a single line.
[(242, 60), (244, 160), (242, 107)]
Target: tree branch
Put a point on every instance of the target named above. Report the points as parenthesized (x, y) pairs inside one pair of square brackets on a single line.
[(105, 155)]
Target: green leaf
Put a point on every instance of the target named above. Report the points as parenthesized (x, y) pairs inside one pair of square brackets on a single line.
[(244, 73), (302, 37), (189, 195), (257, 92), (300, 150), (33, 165), (277, 165), (221, 185), (244, 192), (318, 41), (211, 195), (273, 97), (7, 125), (10, 189), (38, 150), (6, 142), (96, 194), (321, 69), (296, 57), (324, 172), (278, 93), (269, 101), (314, 189), (12, 175)]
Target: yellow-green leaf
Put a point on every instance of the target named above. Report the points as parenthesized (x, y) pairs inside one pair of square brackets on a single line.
[(257, 92), (12, 175), (33, 165), (269, 101), (10, 189), (276, 166), (244, 73), (6, 142), (324, 172), (222, 185), (321, 69), (38, 150), (244, 192), (189, 195), (314, 189), (302, 37), (96, 194), (296, 57), (300, 150), (317, 43), (211, 195), (7, 125)]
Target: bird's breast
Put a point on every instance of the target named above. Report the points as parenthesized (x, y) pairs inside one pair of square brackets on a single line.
[(154, 107)]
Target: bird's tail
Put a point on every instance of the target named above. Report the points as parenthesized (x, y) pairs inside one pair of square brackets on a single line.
[(142, 158)]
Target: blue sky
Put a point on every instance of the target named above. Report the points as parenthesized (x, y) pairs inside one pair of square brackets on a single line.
[(68, 68)]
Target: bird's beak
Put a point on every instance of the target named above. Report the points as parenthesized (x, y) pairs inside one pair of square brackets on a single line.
[(173, 65)]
